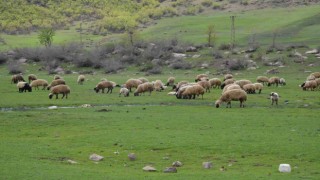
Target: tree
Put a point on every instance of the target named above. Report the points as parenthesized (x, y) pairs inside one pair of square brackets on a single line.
[(46, 36), (211, 35)]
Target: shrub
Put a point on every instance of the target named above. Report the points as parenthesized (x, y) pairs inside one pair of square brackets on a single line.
[(224, 46), (112, 66), (15, 67), (3, 58), (206, 3), (180, 64), (155, 70), (237, 64)]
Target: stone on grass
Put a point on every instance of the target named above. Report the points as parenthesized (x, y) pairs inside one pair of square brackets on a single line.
[(284, 168), (207, 165), (170, 170), (132, 156), (149, 169), (177, 164), (95, 157), (72, 161)]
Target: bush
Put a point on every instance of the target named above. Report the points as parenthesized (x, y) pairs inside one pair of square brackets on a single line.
[(155, 70), (224, 46), (238, 64), (112, 66), (3, 58), (15, 67), (206, 3), (180, 64)]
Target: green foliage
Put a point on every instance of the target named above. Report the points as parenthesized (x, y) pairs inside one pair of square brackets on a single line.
[(45, 36)]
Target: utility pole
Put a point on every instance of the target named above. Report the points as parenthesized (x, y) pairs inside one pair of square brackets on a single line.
[(233, 32)]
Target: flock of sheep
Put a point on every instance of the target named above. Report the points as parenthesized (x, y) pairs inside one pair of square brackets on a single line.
[(232, 90)]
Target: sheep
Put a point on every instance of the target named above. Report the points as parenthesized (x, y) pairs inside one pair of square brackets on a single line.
[(24, 87), (132, 83), (205, 84), (176, 87), (182, 88), (192, 91), (230, 86), (39, 82), (227, 76), (310, 77), (318, 82), (249, 88), (81, 79), (143, 79), (243, 82), (60, 89), (232, 95), (55, 77), (170, 81), (200, 77), (226, 82), (258, 86), (31, 77), (124, 91), (274, 98), (158, 85), (274, 80), (55, 83), (316, 74), (309, 85), (263, 79), (17, 78), (144, 87), (215, 82), (104, 84), (282, 81)]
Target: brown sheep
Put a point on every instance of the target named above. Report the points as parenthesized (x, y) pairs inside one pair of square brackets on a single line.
[(316, 74), (230, 86), (17, 78), (205, 84), (103, 85), (158, 85), (143, 79), (258, 86), (309, 85), (144, 87), (32, 77), (132, 83), (39, 82), (215, 82), (243, 82), (200, 77), (55, 83), (274, 81), (81, 79), (249, 88), (226, 82), (176, 87), (232, 95), (192, 91), (55, 77), (227, 76), (60, 89), (170, 81), (263, 79)]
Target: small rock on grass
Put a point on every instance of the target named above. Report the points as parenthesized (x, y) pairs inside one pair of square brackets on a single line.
[(95, 157), (170, 170), (149, 169)]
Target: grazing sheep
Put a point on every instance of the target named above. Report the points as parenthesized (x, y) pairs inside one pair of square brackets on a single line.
[(200, 77), (55, 83), (170, 81), (274, 80), (316, 74), (143, 79), (205, 84), (274, 98), (227, 76), (39, 82), (192, 91), (182, 88), (263, 79), (17, 78), (258, 86), (282, 81), (103, 85), (31, 77), (60, 89), (243, 82), (24, 87), (232, 95), (310, 77), (176, 87), (309, 85), (318, 82), (158, 85), (215, 82), (124, 91), (81, 79), (226, 82), (144, 87), (55, 77), (230, 86), (249, 88), (132, 83)]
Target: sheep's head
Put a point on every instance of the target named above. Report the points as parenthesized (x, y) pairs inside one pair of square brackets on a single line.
[(28, 87), (136, 94), (96, 89), (222, 85), (48, 88), (217, 103), (50, 96)]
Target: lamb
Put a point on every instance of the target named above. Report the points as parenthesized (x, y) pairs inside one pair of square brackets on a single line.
[(226, 82), (39, 82), (17, 78), (81, 79), (230, 86), (55, 83), (282, 81), (144, 87), (103, 85), (263, 79), (24, 87), (274, 80), (60, 89), (182, 88), (227, 76), (215, 82), (192, 92), (132, 83), (170, 81), (205, 84), (200, 77), (309, 85), (249, 88), (158, 85), (258, 86), (143, 79), (176, 87), (274, 98), (124, 91), (55, 77), (32, 77), (243, 82), (232, 95)]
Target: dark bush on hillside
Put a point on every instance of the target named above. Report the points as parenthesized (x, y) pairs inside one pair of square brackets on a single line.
[(206, 3), (3, 58), (51, 66), (15, 67), (112, 66), (155, 70), (180, 64), (238, 64), (224, 47), (217, 55), (32, 54)]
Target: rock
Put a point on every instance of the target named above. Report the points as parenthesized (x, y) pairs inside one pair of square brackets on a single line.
[(313, 51), (149, 169), (96, 157), (53, 107), (204, 66), (86, 105), (191, 49), (22, 60), (177, 164), (132, 157), (71, 161), (196, 56), (170, 170), (207, 165), (179, 55), (284, 168)]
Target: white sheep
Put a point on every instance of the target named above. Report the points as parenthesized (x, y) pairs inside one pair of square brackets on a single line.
[(39, 82), (176, 87), (55, 77), (230, 86), (274, 98), (55, 83), (316, 74), (144, 87), (81, 79), (158, 85), (60, 89), (24, 87), (192, 91), (124, 91), (232, 95), (243, 82), (282, 81)]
